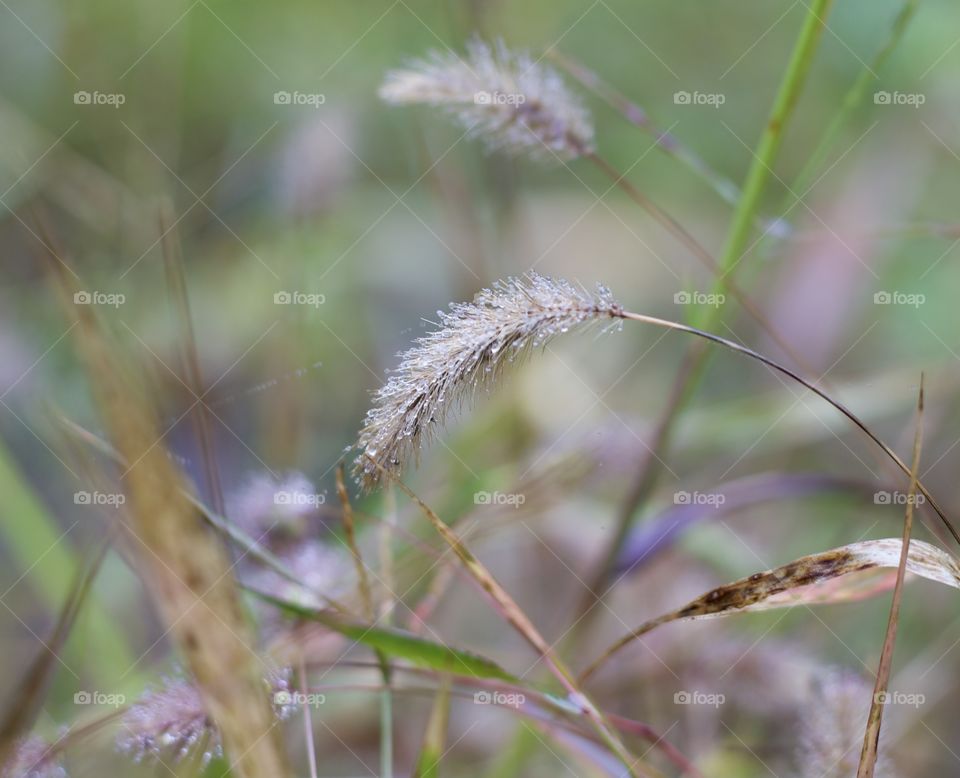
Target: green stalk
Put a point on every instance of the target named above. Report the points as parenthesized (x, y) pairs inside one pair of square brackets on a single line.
[(740, 231), (695, 361), (851, 101), (766, 154), (386, 618)]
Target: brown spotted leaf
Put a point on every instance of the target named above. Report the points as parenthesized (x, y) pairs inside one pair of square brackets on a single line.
[(832, 576)]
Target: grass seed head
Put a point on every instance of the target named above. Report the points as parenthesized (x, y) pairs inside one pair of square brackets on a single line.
[(511, 101), (473, 344)]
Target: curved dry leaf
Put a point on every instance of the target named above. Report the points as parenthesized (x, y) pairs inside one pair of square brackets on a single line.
[(812, 579)]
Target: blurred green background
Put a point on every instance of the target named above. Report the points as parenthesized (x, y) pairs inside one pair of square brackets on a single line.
[(387, 214)]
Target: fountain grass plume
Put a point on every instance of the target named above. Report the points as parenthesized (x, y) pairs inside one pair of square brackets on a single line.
[(477, 338), (475, 341), (509, 100)]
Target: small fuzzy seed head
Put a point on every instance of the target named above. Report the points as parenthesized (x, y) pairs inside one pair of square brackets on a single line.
[(832, 726), (511, 101), (32, 758), (474, 342), (168, 722)]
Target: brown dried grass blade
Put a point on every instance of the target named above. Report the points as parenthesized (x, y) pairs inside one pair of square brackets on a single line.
[(252, 550), (508, 608), (871, 737), (185, 567), (808, 580), (173, 262), (349, 530)]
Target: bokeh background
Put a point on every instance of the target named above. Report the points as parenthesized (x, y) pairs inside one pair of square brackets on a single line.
[(385, 215)]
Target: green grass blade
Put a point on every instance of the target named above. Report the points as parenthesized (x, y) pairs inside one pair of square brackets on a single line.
[(398, 643)]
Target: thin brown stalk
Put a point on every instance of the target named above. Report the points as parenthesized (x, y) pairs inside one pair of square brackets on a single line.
[(634, 114), (173, 262), (871, 736), (349, 530), (672, 325), (700, 252), (514, 615)]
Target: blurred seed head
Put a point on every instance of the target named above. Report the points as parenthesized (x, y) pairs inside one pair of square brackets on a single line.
[(832, 726), (168, 722), (475, 341), (267, 506), (32, 759), (506, 98)]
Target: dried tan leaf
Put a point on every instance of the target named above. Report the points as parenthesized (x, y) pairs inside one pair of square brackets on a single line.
[(805, 581)]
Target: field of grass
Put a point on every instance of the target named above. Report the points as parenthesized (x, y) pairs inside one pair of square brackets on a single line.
[(277, 499)]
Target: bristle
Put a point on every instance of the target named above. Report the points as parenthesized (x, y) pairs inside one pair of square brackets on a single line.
[(474, 342), (506, 98)]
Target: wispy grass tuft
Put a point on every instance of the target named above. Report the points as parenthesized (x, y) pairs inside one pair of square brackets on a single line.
[(511, 101), (475, 342)]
